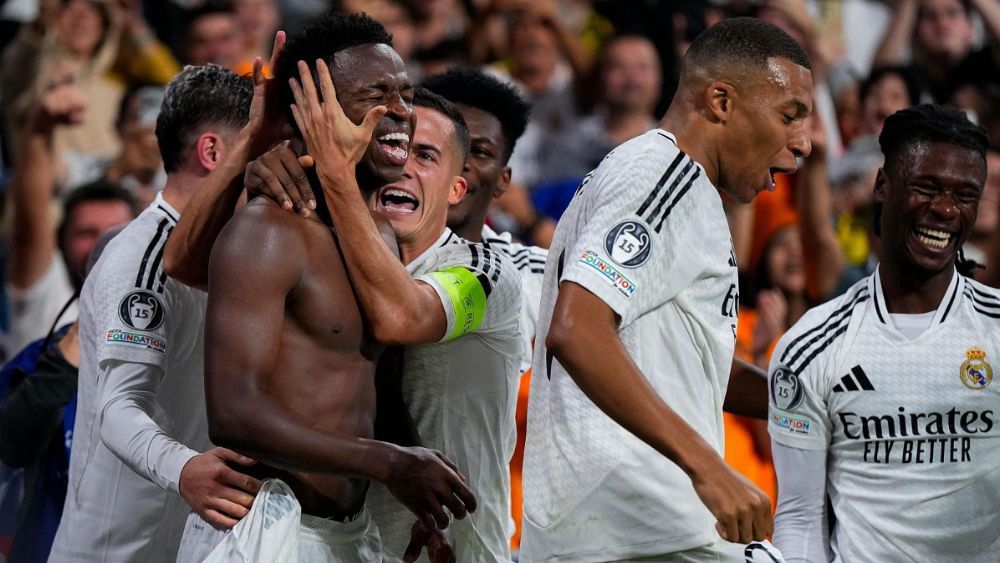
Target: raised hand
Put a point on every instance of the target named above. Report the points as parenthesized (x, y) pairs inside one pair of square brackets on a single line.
[(263, 129), (331, 137), (62, 104), (426, 482)]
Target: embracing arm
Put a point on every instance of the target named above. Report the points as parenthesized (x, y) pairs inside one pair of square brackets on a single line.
[(747, 391), (584, 338)]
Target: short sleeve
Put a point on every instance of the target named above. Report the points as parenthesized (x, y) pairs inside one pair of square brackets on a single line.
[(131, 320), (478, 288), (634, 247), (797, 409)]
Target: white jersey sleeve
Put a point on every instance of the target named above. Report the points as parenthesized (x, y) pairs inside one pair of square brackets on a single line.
[(636, 251), (800, 524), (478, 287), (132, 419), (132, 313)]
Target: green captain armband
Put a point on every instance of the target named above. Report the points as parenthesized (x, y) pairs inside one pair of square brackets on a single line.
[(467, 296)]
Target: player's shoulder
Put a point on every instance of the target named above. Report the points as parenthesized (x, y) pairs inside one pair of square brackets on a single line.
[(643, 159), (133, 259), (529, 260), (832, 312), (982, 299), (272, 236)]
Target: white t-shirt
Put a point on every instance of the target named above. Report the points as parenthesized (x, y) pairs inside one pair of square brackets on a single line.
[(646, 233), (141, 402), (461, 394), (910, 427), (530, 263), (34, 309)]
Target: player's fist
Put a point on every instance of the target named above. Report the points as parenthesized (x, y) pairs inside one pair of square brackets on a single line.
[(61, 104), (426, 482), (220, 495), (742, 510)]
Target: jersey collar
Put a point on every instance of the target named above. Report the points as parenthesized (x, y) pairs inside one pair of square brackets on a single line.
[(944, 308), (447, 237), (166, 208)]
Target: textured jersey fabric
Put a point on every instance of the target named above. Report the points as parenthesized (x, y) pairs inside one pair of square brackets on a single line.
[(645, 233), (461, 395), (910, 427), (140, 361)]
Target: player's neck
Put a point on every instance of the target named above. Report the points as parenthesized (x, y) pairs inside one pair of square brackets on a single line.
[(180, 188), (691, 137), (910, 291), (472, 229), (414, 247)]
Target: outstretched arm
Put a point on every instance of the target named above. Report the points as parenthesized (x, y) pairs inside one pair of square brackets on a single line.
[(256, 264), (583, 336), (824, 262)]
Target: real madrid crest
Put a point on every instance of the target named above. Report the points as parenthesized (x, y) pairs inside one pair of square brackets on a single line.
[(976, 372)]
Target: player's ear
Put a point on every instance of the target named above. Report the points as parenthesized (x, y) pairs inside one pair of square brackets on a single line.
[(456, 192), (719, 99), (210, 149), (503, 184), (881, 184)]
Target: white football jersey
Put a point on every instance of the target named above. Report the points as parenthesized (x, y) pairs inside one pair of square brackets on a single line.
[(461, 394), (530, 263), (911, 427), (130, 311), (646, 233)]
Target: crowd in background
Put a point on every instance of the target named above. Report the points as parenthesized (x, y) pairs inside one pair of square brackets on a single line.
[(81, 82)]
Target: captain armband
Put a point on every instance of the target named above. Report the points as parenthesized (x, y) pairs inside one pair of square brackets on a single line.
[(466, 296)]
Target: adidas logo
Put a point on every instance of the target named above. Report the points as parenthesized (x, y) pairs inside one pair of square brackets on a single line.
[(859, 382)]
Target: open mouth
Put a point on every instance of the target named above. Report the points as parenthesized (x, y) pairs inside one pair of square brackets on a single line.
[(932, 237), (396, 146), (775, 170), (395, 200)]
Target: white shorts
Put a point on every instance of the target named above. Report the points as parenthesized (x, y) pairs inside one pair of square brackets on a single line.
[(275, 530), (720, 552)]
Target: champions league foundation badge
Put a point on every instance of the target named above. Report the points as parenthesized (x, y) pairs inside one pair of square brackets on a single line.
[(786, 389), (629, 244), (141, 310), (975, 372)]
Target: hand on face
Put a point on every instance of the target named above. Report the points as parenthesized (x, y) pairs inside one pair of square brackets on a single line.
[(330, 136)]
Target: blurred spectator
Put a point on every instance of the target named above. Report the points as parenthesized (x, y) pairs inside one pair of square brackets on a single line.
[(983, 237), (103, 47), (397, 17), (213, 36), (937, 38), (438, 21), (628, 87), (258, 21), (46, 265), (546, 62), (139, 168)]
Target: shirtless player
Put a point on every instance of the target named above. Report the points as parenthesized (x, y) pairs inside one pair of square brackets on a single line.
[(289, 363)]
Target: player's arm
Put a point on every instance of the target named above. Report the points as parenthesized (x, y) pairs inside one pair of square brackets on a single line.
[(128, 398), (255, 265), (800, 526), (189, 247), (746, 394), (583, 336)]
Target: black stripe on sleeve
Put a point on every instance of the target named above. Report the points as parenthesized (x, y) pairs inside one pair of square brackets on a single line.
[(670, 191), (149, 252), (659, 185), (811, 357), (986, 298), (680, 194), (485, 282), (156, 261), (475, 256), (167, 213), (861, 295)]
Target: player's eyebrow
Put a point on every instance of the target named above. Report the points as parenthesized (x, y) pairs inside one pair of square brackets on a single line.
[(801, 109), (427, 147)]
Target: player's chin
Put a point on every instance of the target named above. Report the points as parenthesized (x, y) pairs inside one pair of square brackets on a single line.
[(383, 170)]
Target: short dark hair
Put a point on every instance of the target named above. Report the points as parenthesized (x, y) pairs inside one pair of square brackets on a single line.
[(198, 98), (323, 39), (100, 190), (743, 43), (424, 98), (929, 123), (482, 91), (904, 74)]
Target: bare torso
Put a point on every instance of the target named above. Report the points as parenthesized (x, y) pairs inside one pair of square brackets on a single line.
[(326, 362)]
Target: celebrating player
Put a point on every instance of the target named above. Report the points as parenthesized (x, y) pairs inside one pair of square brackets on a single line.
[(881, 400), (638, 314)]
